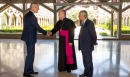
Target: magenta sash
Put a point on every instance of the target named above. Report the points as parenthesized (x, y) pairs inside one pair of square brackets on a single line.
[(69, 52)]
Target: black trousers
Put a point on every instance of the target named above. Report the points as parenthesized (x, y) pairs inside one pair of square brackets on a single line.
[(88, 64), (29, 58)]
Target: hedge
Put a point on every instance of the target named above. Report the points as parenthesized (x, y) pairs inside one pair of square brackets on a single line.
[(13, 31), (122, 32), (10, 31), (103, 34)]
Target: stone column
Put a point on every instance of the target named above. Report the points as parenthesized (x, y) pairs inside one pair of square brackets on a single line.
[(38, 20), (20, 21), (16, 21), (9, 21), (42, 21)]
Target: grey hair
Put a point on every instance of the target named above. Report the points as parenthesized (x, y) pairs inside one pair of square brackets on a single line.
[(84, 13), (33, 3)]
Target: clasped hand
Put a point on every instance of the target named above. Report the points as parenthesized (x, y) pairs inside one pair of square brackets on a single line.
[(49, 34)]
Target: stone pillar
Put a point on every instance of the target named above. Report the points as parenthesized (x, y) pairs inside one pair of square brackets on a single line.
[(19, 21), (16, 21), (9, 21), (38, 19), (42, 21), (45, 21)]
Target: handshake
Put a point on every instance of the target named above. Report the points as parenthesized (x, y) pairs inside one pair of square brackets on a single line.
[(49, 34)]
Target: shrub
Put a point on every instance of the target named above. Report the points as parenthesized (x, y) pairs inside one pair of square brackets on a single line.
[(19, 29), (108, 24), (10, 31), (48, 27), (124, 29), (122, 32), (103, 34)]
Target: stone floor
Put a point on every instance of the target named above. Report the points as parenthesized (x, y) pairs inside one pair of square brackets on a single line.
[(110, 59)]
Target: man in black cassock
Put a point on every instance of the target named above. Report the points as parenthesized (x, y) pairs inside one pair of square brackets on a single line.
[(67, 57)]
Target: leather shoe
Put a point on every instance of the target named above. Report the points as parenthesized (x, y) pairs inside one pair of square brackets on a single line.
[(27, 75), (33, 72), (62, 70), (83, 75), (69, 71)]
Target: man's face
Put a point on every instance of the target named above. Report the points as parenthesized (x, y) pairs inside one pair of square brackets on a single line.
[(81, 17), (36, 8), (61, 15)]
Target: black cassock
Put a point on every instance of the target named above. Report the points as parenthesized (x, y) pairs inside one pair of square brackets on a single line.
[(67, 25)]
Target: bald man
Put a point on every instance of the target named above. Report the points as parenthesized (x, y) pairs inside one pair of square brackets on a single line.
[(29, 36), (67, 57)]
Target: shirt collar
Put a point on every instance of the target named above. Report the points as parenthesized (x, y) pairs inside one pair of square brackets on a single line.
[(32, 11), (84, 20)]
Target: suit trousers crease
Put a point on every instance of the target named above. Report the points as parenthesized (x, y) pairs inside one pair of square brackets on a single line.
[(29, 58)]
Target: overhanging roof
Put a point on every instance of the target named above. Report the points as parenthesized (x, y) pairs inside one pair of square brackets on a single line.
[(50, 1)]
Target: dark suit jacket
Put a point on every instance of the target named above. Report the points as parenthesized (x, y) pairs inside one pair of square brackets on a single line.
[(87, 36), (30, 28)]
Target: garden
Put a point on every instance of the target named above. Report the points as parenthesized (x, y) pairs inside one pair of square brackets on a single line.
[(19, 29), (106, 27)]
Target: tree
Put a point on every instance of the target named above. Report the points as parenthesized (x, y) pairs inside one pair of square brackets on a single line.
[(73, 14)]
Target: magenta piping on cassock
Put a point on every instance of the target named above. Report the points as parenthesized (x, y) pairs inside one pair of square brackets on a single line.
[(69, 50)]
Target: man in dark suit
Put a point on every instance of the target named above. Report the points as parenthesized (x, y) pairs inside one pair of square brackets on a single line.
[(29, 35), (87, 40)]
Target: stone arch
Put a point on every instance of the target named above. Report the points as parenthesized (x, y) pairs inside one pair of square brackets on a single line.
[(8, 18), (4, 19)]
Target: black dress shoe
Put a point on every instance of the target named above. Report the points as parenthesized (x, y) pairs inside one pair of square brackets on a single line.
[(33, 72), (82, 75), (69, 71), (62, 70), (27, 75)]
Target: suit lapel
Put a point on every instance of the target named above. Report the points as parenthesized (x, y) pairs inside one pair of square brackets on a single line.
[(33, 14), (86, 23)]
